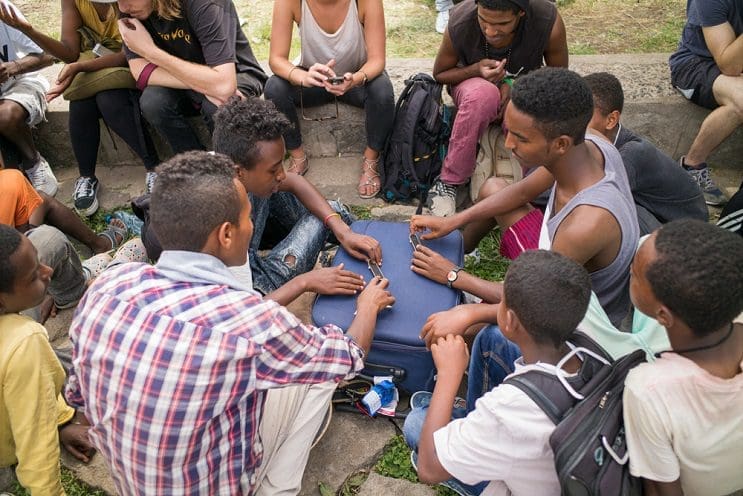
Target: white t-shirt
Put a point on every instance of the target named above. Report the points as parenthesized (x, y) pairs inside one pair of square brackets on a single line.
[(505, 440), (15, 45), (681, 421)]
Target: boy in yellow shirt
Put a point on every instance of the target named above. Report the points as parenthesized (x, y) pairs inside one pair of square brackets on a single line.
[(33, 415)]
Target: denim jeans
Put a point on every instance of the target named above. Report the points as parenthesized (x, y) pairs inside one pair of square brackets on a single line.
[(376, 97), (55, 250), (283, 225), (411, 430), (444, 5), (491, 361)]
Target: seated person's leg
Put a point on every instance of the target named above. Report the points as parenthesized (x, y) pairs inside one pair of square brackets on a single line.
[(731, 217), (477, 102), (68, 280), (377, 99), (167, 110), (475, 231), (491, 361), (296, 252), (286, 97), (22, 105), (292, 419)]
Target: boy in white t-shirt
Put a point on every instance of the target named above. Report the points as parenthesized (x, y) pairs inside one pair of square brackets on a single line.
[(683, 413), (504, 441)]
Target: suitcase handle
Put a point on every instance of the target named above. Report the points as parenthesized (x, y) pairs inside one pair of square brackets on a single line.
[(372, 369)]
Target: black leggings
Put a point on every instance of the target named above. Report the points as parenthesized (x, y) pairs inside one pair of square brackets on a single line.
[(120, 111)]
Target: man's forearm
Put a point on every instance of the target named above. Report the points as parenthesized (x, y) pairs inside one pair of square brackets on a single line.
[(29, 63), (362, 327), (289, 291), (430, 469), (177, 73), (456, 75), (731, 60)]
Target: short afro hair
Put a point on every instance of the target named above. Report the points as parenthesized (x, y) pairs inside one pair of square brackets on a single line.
[(514, 6), (193, 194), (607, 92), (549, 293), (698, 274), (10, 240), (239, 125), (558, 100)]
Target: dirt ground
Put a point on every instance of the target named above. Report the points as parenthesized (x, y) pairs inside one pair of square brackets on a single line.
[(593, 26)]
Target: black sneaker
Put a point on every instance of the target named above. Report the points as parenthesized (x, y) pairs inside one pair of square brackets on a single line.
[(85, 196)]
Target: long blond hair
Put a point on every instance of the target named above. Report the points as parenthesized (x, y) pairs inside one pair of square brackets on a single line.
[(167, 9)]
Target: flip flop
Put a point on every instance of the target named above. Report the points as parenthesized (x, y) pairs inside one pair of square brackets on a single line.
[(115, 229)]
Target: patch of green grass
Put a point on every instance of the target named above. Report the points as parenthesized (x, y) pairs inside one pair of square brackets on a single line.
[(665, 38), (395, 463), (72, 486), (491, 266), (580, 48), (361, 212)]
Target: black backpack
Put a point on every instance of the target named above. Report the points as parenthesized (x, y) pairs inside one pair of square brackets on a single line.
[(588, 442), (412, 156)]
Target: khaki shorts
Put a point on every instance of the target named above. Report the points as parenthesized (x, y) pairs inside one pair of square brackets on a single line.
[(28, 91)]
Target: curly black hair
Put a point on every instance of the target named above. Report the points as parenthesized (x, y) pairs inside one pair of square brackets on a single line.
[(239, 125), (194, 193), (538, 279), (558, 100), (10, 240), (514, 6), (698, 274), (607, 92)]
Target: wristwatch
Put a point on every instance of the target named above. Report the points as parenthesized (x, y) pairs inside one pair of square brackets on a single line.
[(452, 276)]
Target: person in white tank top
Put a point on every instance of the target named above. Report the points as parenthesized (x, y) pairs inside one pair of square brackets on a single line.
[(342, 57)]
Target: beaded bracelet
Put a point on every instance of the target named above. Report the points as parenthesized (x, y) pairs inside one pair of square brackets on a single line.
[(327, 218)]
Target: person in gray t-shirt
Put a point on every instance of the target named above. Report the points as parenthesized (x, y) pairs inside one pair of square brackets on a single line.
[(661, 189)]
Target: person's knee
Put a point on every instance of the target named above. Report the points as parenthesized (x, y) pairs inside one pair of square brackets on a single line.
[(12, 114), (157, 104), (478, 94), (50, 243), (276, 87), (380, 91), (492, 186)]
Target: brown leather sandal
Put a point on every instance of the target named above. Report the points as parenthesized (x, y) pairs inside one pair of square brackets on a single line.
[(299, 165), (369, 177)]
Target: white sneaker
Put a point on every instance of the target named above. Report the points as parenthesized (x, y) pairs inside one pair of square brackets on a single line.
[(442, 19), (442, 199), (42, 177)]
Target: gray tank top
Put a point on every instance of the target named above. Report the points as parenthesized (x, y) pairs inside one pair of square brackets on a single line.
[(347, 45), (612, 193)]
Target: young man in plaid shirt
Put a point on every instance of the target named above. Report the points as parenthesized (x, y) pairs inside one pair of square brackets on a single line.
[(193, 383)]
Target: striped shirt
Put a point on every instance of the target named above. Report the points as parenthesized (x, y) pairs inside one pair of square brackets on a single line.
[(172, 363)]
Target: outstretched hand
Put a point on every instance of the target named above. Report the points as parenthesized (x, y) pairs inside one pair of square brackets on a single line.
[(430, 264), (13, 18), (456, 321), (334, 281), (438, 227)]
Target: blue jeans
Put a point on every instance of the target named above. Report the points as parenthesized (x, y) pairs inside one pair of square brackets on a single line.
[(491, 361), (285, 227), (411, 430)]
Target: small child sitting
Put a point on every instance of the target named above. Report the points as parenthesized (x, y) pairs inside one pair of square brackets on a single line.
[(504, 440), (33, 415)]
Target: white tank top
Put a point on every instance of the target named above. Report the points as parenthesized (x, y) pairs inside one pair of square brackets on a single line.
[(346, 45)]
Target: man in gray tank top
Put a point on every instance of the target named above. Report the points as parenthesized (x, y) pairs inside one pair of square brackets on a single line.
[(590, 216)]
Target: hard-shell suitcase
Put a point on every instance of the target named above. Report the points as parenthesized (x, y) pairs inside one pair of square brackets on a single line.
[(396, 346)]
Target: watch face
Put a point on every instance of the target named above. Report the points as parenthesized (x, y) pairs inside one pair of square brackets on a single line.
[(451, 276)]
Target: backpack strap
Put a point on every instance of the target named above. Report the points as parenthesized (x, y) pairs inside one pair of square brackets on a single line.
[(545, 391)]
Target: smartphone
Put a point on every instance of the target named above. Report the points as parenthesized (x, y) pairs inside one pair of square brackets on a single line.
[(415, 240), (374, 269), (99, 50), (336, 80)]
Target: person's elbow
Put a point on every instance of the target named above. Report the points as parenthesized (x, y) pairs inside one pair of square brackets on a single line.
[(732, 68), (223, 89), (429, 468)]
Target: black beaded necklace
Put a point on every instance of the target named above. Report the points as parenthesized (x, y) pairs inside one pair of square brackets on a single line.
[(486, 48)]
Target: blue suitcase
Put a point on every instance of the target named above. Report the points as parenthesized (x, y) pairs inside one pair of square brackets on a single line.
[(396, 344)]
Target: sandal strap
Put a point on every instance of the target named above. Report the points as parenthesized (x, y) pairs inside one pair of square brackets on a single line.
[(296, 162), (370, 167), (112, 231)]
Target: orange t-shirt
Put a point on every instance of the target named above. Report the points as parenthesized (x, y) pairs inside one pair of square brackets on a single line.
[(18, 198)]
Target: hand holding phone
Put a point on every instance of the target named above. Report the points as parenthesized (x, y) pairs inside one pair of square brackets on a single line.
[(375, 269), (336, 80), (415, 240)]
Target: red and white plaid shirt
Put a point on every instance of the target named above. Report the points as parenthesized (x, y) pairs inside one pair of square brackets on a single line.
[(172, 363)]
